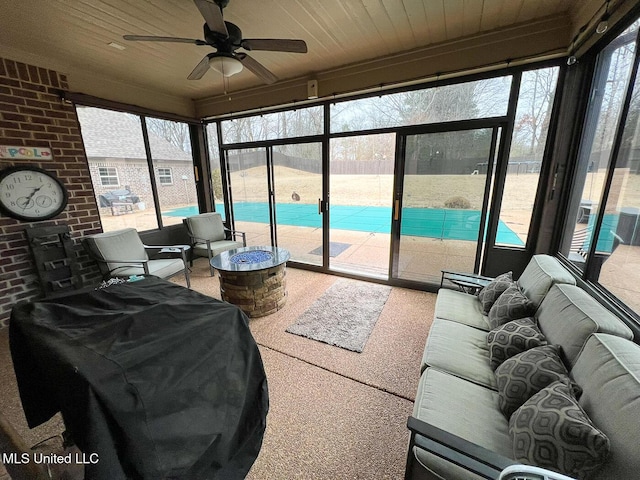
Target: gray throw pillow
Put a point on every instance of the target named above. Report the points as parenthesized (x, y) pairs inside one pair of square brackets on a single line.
[(511, 305), (552, 431), (512, 338), (490, 293), (525, 374)]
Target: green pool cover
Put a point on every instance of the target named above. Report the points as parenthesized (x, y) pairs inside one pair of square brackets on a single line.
[(420, 222)]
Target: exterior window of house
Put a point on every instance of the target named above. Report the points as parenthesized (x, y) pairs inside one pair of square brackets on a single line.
[(108, 176), (165, 176), (602, 228)]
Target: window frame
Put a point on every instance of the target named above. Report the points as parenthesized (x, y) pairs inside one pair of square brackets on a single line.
[(588, 275), (108, 175), (162, 176)]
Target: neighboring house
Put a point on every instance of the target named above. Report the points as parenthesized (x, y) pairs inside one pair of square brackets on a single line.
[(118, 162)]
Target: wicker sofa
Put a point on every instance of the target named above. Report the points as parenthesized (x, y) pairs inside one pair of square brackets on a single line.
[(459, 429)]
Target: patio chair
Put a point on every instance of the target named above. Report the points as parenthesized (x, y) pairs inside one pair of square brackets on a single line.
[(209, 237), (121, 253), (579, 250)]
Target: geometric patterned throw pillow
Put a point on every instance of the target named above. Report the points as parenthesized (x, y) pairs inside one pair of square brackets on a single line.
[(490, 293), (511, 305), (512, 338), (552, 431), (525, 374)]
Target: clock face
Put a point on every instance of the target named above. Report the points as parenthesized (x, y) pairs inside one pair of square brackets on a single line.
[(30, 193)]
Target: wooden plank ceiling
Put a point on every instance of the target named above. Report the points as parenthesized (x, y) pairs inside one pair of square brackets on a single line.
[(76, 34)]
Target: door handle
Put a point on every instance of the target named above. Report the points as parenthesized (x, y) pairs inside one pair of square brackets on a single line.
[(396, 210), (319, 206)]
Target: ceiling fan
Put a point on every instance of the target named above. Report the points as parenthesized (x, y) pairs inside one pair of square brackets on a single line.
[(226, 38)]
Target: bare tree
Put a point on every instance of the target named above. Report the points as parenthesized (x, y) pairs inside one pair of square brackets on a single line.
[(176, 133)]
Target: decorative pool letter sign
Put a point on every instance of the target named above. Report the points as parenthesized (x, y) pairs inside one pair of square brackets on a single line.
[(25, 153)]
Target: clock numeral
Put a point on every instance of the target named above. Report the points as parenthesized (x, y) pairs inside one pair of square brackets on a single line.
[(10, 186), (28, 178)]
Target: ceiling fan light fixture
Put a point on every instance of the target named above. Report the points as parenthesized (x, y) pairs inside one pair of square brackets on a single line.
[(227, 66)]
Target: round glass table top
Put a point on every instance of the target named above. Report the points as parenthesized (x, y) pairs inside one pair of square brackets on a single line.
[(247, 259)]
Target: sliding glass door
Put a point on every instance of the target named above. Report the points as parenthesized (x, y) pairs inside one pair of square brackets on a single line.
[(441, 199), (297, 191), (275, 194), (249, 185), (361, 193)]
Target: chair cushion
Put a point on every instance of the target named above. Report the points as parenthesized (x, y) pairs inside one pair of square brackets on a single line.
[(122, 245), (490, 293), (511, 305), (512, 338), (217, 248), (163, 268), (206, 226), (525, 374), (551, 430)]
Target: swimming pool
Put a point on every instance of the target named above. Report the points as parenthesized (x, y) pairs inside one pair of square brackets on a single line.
[(441, 223)]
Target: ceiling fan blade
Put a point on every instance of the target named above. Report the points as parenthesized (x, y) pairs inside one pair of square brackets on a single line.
[(200, 70), (213, 16), (257, 68), (150, 38), (275, 45)]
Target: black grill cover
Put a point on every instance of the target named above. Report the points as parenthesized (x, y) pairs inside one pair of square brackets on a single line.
[(158, 380)]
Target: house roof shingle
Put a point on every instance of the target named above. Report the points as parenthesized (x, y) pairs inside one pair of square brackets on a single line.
[(110, 134)]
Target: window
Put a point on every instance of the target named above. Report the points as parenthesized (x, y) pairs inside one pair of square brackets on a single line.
[(216, 172), (602, 228), (533, 113), (165, 177), (462, 101), (297, 122), (108, 176), (170, 147), (126, 194)]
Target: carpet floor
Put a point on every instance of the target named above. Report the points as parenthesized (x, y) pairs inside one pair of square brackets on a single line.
[(334, 414)]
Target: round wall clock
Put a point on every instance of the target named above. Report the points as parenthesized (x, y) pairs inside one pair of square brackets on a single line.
[(31, 193)]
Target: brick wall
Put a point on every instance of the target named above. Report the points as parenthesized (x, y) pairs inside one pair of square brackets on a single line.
[(32, 114)]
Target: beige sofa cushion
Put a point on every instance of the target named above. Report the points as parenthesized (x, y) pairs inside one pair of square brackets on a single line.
[(608, 370), (460, 307), (568, 315), (460, 350), (476, 419), (541, 273)]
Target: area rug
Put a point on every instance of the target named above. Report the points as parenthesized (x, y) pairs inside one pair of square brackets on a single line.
[(335, 249), (344, 315)]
